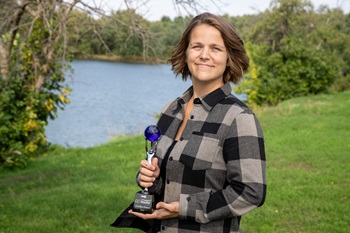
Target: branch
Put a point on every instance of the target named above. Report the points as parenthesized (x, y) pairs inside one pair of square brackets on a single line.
[(15, 22), (4, 68)]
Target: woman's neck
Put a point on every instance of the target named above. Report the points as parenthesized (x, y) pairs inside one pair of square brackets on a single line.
[(201, 88)]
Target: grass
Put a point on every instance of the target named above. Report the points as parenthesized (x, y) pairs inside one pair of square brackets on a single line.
[(84, 189)]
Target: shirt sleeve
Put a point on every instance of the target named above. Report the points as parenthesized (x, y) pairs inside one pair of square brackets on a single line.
[(245, 188)]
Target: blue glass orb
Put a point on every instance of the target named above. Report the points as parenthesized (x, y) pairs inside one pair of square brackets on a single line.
[(152, 133)]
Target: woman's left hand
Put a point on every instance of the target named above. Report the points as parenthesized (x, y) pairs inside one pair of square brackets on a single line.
[(162, 211)]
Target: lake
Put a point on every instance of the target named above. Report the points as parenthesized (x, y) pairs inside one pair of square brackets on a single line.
[(111, 99)]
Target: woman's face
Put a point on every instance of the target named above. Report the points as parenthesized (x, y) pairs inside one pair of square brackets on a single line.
[(206, 56)]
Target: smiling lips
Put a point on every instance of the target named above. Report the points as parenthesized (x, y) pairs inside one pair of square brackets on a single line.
[(204, 65)]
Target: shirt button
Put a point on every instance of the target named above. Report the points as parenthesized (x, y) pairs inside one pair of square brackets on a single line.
[(197, 101), (163, 228), (170, 158), (188, 198), (192, 117), (167, 181), (182, 138)]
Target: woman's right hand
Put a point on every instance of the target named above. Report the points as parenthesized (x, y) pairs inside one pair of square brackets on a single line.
[(148, 173)]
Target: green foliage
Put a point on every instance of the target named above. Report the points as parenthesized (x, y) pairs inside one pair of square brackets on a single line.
[(332, 34), (165, 35), (287, 58), (123, 33), (341, 84), (24, 105), (21, 131), (295, 70), (81, 34)]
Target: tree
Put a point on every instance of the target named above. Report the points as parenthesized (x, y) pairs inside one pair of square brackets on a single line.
[(332, 34), (287, 63), (33, 53), (166, 33)]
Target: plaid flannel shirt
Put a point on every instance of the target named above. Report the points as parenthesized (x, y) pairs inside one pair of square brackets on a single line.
[(216, 171)]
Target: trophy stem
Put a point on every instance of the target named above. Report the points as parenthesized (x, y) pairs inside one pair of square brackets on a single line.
[(150, 156), (144, 201)]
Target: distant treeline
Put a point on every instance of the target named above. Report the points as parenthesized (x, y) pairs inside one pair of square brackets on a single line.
[(127, 35)]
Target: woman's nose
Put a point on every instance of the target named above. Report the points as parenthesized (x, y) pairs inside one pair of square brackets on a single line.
[(204, 54)]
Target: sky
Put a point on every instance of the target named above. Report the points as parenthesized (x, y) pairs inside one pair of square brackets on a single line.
[(153, 10)]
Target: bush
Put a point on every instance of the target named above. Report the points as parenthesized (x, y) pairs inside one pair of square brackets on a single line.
[(297, 69), (23, 117), (31, 93)]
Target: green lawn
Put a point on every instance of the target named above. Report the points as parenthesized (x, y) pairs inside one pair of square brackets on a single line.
[(83, 190)]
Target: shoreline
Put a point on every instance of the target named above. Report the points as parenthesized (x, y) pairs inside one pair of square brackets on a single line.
[(113, 58)]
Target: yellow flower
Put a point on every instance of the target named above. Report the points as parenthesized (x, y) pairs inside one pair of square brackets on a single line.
[(49, 106), (31, 147)]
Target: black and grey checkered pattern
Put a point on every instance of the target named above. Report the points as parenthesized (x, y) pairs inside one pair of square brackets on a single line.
[(217, 168)]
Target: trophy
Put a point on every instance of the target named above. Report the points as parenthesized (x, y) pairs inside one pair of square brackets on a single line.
[(144, 201)]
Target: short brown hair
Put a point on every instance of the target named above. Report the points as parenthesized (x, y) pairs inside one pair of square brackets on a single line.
[(238, 61)]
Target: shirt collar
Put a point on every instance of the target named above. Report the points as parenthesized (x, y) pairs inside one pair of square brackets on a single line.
[(210, 100)]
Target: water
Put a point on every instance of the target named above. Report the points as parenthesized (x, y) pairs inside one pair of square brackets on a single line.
[(111, 99)]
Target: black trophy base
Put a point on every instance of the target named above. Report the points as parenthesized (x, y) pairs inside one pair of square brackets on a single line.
[(143, 203)]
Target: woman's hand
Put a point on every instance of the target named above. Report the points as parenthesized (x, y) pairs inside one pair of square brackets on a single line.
[(162, 211), (148, 173)]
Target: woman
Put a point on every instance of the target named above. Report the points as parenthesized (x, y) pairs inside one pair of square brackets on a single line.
[(210, 164)]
